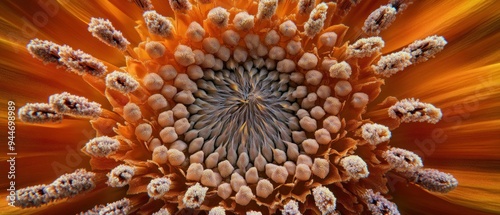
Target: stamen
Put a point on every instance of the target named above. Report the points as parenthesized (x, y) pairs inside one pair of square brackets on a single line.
[(119, 207), (243, 21), (400, 5), (120, 176), (267, 9), (39, 113), (102, 146), (46, 51), (218, 17), (375, 133), (75, 106), (66, 186), (144, 4), (162, 211), (355, 166), (365, 47), (316, 20), (402, 160), (306, 6), (435, 180), (80, 62), (158, 187), (411, 110), (121, 81), (389, 65), (158, 24), (104, 31), (325, 200), (194, 196), (379, 20), (217, 211), (291, 208), (181, 6), (377, 204), (423, 50)]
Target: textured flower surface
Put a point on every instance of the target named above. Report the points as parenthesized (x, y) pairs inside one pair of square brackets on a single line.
[(252, 107)]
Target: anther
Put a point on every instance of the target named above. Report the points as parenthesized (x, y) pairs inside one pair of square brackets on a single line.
[(103, 30), (375, 133), (180, 6), (324, 200), (306, 6), (379, 20), (194, 196), (402, 160), (120, 176), (218, 17), (411, 110), (158, 24), (435, 180), (291, 208), (316, 20), (145, 5), (266, 9), (389, 65), (219, 210), (119, 207), (158, 187), (46, 51), (355, 166), (121, 81), (377, 204), (400, 5), (102, 146), (365, 47), (80, 62), (423, 50), (75, 106), (66, 186), (39, 113)]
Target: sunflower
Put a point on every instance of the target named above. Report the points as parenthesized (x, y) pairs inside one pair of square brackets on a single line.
[(251, 107)]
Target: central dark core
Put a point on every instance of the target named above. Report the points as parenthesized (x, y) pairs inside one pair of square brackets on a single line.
[(245, 111)]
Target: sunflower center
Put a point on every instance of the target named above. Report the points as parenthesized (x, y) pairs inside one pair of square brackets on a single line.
[(242, 112)]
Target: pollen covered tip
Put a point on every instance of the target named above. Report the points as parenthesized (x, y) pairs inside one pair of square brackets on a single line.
[(102, 146), (120, 176), (103, 30), (46, 51), (158, 24), (375, 133), (219, 17), (378, 204), (194, 196), (389, 65), (379, 20), (158, 187), (434, 180), (324, 200), (121, 81), (39, 113), (412, 110), (180, 6), (266, 9), (365, 47), (76, 106), (80, 62), (402, 160), (355, 166), (316, 20), (423, 50)]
